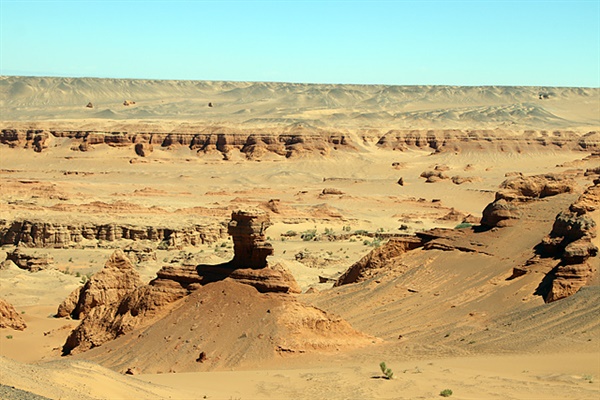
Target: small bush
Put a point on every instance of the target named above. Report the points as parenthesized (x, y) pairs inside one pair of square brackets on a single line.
[(9, 336), (387, 372), (463, 225), (446, 393), (309, 235)]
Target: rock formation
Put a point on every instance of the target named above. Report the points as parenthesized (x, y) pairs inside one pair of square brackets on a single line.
[(247, 228), (30, 262), (571, 241), (44, 234), (143, 149), (387, 256), (377, 260), (138, 252), (9, 317), (504, 209), (108, 286), (142, 303)]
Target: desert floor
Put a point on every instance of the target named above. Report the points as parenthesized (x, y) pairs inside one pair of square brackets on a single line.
[(551, 351)]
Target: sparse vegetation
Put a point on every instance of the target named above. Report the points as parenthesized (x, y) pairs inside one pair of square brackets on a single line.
[(387, 372), (446, 393), (463, 225), (588, 378), (308, 235), (85, 278), (9, 336)]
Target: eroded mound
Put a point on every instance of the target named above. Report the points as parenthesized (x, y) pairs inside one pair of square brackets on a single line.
[(227, 324)]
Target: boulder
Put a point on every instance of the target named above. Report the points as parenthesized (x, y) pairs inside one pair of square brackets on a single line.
[(568, 279), (9, 317), (499, 213)]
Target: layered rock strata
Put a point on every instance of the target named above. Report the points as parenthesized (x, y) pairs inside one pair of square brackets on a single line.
[(296, 140), (44, 234)]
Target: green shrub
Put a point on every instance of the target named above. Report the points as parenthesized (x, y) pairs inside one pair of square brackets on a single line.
[(463, 225), (308, 235), (387, 372), (446, 393)]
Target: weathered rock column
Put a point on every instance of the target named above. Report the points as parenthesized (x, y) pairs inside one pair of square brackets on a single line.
[(247, 229)]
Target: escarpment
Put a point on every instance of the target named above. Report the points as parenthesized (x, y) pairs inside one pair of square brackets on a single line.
[(252, 145), (28, 233), (141, 304), (296, 140)]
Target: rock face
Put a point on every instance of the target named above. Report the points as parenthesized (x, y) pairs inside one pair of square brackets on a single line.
[(571, 241), (141, 304), (42, 234), (374, 262), (9, 317), (32, 263), (504, 209), (108, 286)]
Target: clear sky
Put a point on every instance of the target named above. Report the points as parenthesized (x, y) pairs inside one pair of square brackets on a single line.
[(469, 42)]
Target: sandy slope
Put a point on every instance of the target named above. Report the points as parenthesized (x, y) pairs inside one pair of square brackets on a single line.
[(461, 325)]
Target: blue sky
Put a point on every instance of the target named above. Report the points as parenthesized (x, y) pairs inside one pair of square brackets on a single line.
[(478, 42)]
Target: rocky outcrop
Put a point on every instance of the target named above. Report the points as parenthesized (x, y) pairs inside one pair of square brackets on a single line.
[(516, 189), (106, 287), (525, 188), (29, 262), (436, 174), (387, 256), (138, 252), (247, 228), (9, 317), (143, 149), (173, 282), (571, 241), (378, 259), (28, 233), (565, 253)]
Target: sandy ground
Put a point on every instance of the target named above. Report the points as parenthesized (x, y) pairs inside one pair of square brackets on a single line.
[(177, 187)]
